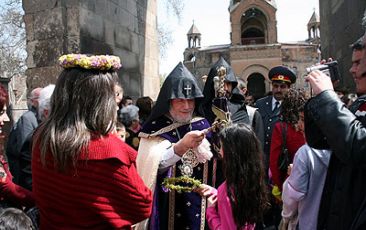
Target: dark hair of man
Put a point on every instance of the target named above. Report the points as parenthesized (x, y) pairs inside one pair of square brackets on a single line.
[(358, 45), (292, 104), (15, 219), (244, 174), (83, 107), (3, 97)]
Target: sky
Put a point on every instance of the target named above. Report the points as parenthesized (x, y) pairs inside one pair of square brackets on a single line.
[(212, 19)]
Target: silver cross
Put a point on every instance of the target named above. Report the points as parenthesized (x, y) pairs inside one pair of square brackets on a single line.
[(188, 90)]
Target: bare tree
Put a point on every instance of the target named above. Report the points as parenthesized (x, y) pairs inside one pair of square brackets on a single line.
[(174, 7), (12, 39), (165, 39)]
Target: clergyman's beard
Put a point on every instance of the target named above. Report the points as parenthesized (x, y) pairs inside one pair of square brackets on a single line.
[(181, 119)]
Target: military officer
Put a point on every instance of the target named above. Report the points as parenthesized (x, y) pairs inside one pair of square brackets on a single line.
[(269, 107)]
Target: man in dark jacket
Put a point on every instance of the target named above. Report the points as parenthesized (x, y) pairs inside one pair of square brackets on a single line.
[(269, 107), (235, 99), (25, 159), (343, 204), (25, 126)]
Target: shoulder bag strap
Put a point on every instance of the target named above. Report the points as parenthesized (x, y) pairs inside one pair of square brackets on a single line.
[(284, 134)]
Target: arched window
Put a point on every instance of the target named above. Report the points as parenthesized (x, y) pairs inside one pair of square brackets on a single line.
[(253, 27), (252, 36), (256, 86)]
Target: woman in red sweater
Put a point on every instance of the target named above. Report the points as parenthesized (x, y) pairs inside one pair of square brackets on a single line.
[(292, 119), (84, 177), (10, 193)]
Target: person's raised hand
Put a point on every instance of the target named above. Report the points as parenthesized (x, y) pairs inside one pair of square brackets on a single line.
[(319, 81)]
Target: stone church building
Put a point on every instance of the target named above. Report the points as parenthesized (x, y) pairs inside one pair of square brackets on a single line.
[(254, 48)]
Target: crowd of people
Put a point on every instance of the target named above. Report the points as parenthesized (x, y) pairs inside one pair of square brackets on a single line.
[(86, 156)]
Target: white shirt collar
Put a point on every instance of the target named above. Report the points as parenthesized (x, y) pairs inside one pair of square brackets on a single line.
[(274, 102)]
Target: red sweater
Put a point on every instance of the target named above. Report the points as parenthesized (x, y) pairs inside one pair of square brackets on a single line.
[(104, 192), (13, 192), (294, 140)]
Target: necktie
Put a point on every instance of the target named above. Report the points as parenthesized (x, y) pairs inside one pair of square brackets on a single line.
[(276, 106)]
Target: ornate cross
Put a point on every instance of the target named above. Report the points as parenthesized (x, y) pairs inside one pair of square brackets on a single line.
[(188, 90)]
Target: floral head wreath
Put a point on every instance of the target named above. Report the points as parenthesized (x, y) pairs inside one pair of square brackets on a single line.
[(98, 62)]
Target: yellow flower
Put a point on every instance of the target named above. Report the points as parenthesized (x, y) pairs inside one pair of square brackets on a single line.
[(101, 62)]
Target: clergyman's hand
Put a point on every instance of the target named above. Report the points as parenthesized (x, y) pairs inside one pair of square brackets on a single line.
[(191, 140)]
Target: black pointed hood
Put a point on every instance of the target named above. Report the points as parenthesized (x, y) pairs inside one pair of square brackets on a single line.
[(230, 76), (180, 83), (209, 91)]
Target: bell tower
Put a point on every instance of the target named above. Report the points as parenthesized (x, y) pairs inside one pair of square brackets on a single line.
[(253, 22), (194, 43), (314, 29), (194, 37)]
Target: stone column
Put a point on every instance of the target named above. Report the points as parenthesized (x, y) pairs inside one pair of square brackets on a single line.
[(45, 28), (56, 27), (151, 80)]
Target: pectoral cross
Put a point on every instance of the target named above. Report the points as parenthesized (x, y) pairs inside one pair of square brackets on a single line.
[(188, 90)]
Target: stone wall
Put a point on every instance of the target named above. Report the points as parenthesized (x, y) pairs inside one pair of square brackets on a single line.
[(340, 26), (205, 58), (124, 28), (299, 57)]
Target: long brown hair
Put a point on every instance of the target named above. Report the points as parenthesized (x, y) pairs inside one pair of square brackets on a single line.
[(82, 106), (293, 103), (244, 174)]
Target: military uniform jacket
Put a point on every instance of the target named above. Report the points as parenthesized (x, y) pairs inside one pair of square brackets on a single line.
[(269, 118)]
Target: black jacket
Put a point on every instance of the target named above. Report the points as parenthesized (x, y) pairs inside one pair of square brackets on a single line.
[(343, 204)]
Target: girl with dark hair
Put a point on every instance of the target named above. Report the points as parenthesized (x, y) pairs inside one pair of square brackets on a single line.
[(10, 193), (83, 175), (240, 201)]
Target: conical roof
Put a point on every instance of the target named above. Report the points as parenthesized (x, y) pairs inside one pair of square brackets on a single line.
[(193, 30), (273, 3), (314, 19)]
